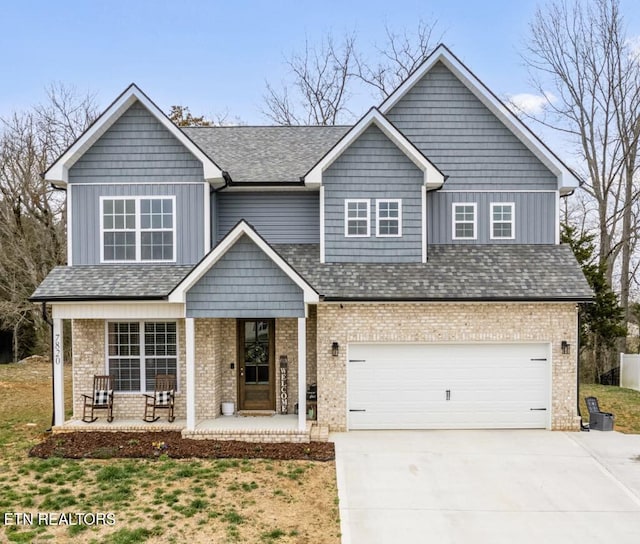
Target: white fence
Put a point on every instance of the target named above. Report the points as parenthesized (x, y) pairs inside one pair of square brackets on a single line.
[(630, 371)]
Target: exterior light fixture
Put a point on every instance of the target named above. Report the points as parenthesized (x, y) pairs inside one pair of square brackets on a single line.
[(335, 349), (565, 347)]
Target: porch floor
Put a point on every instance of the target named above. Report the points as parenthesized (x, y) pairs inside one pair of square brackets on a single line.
[(276, 428)]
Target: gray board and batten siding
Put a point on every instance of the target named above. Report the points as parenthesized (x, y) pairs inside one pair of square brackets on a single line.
[(245, 283), (464, 139), (534, 216), (189, 217), (137, 148), (373, 167), (279, 217)]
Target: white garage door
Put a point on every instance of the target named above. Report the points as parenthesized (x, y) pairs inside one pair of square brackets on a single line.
[(444, 386)]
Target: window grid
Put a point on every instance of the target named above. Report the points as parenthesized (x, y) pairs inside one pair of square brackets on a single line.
[(388, 218), (138, 229), (502, 221), (131, 355), (464, 221), (357, 218)]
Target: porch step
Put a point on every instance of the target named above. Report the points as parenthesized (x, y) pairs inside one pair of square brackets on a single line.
[(256, 413), (319, 433)]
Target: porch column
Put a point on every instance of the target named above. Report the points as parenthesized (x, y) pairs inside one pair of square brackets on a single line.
[(58, 372), (302, 373), (190, 349)]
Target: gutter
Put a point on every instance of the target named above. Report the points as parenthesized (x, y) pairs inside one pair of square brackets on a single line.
[(453, 299), (98, 298)]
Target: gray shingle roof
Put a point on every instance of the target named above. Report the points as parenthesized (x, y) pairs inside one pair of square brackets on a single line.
[(454, 272), (95, 282), (267, 154)]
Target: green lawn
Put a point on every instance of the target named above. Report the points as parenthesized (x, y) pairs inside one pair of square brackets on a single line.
[(623, 403), (149, 501)]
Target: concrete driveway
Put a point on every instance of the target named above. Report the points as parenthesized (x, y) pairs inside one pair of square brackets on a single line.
[(512, 487)]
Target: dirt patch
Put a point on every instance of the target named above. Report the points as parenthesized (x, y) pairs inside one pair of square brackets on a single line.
[(101, 445)]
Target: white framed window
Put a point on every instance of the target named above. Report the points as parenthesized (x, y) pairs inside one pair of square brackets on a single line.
[(502, 221), (464, 221), (357, 218), (138, 350), (388, 218), (138, 229)]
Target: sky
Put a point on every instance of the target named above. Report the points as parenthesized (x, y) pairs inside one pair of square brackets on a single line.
[(215, 56)]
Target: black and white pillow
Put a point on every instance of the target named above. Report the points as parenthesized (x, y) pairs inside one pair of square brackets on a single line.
[(163, 398), (101, 396)]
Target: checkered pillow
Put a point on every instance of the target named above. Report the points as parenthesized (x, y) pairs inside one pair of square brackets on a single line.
[(164, 397), (101, 396)]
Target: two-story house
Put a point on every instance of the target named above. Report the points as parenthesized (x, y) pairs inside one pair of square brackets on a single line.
[(410, 266)]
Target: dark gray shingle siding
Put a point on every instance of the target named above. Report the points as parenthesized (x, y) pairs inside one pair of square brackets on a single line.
[(266, 154), (454, 272), (110, 281)]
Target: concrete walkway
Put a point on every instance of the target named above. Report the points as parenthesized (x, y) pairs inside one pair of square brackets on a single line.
[(493, 487)]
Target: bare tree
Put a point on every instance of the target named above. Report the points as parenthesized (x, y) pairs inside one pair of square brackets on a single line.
[(401, 55), (321, 82), (32, 214), (582, 51), (324, 78)]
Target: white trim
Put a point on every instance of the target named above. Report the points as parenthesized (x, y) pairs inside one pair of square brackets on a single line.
[(69, 228), (567, 181), (130, 310), (180, 292), (58, 371), (348, 201), (454, 205), (322, 253), (207, 219), (512, 205), (495, 191), (433, 178), (557, 233), (399, 218), (143, 354), (138, 229), (130, 183), (423, 216), (302, 374), (190, 365), (58, 173)]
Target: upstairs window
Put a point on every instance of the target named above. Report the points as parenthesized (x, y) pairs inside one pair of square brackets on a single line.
[(388, 218), (138, 229), (356, 218), (502, 221), (464, 221)]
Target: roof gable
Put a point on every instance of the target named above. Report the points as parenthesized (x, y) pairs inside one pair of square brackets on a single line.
[(567, 180), (433, 178), (243, 228), (58, 172)]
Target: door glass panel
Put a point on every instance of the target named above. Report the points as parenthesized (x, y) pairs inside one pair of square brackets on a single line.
[(256, 352)]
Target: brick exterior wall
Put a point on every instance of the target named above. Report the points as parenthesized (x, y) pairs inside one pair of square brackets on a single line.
[(454, 322), (215, 351), (89, 358)]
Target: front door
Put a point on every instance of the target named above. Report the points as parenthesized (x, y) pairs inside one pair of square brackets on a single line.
[(256, 368)]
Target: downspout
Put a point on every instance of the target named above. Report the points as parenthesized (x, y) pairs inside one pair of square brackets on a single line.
[(583, 426), (45, 316)]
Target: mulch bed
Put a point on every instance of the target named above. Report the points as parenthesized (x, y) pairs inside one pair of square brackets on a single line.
[(106, 445)]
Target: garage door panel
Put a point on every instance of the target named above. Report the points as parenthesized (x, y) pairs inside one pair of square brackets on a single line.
[(489, 386)]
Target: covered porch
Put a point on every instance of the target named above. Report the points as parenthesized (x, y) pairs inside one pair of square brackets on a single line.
[(238, 330)]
